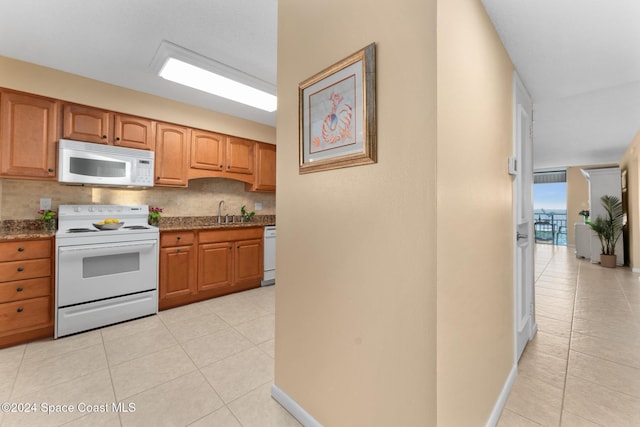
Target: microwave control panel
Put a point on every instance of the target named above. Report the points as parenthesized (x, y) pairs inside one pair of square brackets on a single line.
[(143, 172)]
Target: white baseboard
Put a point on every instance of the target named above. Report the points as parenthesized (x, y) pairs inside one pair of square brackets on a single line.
[(293, 408), (635, 270), (307, 420), (502, 399)]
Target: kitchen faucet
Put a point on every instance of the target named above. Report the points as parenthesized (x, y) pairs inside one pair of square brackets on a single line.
[(220, 211)]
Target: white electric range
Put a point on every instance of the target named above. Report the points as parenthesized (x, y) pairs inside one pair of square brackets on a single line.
[(104, 276)]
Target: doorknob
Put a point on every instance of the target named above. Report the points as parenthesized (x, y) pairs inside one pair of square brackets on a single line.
[(521, 236)]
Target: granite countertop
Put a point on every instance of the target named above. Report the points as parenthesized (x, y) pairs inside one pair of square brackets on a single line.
[(34, 229), (24, 229), (211, 222)]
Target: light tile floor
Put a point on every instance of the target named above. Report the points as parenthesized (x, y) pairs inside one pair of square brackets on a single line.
[(206, 364), (583, 366), (211, 363)]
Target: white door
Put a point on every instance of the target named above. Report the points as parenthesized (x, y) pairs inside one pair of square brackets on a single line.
[(523, 217)]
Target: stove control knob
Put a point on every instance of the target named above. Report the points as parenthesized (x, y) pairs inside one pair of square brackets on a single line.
[(76, 209), (91, 209)]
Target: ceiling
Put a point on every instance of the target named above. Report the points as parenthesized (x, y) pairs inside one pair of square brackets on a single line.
[(115, 41), (579, 59)]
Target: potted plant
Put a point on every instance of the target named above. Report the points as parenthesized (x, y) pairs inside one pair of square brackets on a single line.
[(608, 229), (245, 215), (154, 215), (49, 218)]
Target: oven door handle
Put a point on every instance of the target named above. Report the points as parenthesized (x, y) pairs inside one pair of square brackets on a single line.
[(106, 246)]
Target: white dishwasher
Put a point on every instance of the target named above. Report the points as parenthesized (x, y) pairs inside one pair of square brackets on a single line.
[(269, 255)]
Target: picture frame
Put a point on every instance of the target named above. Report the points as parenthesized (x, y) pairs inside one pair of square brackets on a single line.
[(337, 114)]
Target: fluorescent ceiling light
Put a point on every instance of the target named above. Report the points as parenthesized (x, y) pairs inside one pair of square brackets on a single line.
[(207, 81)]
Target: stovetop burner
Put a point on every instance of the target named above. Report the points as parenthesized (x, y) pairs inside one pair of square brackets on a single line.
[(80, 230), (78, 223)]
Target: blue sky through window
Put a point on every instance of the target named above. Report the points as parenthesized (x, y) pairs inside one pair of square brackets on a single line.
[(551, 196)]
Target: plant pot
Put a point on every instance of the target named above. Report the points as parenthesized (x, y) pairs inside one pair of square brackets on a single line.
[(608, 261)]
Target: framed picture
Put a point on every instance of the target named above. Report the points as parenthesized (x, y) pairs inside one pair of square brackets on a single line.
[(337, 114)]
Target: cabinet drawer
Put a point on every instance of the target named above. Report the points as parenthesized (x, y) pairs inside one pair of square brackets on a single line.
[(30, 249), (25, 289), (176, 238), (25, 269), (24, 314), (230, 235)]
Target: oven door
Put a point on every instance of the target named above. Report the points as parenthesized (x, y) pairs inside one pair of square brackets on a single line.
[(94, 272)]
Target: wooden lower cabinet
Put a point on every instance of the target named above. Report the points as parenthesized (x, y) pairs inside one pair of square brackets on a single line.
[(248, 262), (177, 269), (215, 263), (26, 290), (227, 261)]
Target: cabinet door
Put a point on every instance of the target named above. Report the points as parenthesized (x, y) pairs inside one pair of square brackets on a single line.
[(133, 132), (87, 124), (28, 135), (239, 155), (248, 262), (177, 277), (172, 150), (265, 176), (215, 266), (207, 150)]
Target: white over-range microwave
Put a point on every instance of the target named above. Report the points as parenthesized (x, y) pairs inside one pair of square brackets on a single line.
[(105, 165)]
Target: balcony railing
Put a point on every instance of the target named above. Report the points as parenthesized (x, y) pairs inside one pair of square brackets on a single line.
[(550, 228)]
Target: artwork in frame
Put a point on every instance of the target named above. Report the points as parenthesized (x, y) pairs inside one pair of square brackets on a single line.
[(337, 114)]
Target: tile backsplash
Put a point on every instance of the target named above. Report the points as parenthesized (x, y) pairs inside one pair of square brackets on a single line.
[(20, 199)]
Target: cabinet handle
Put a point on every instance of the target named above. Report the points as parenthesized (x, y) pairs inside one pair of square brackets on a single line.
[(20, 309), (20, 268), (117, 138), (157, 177), (19, 289), (50, 170), (21, 249), (104, 136), (178, 237), (178, 250)]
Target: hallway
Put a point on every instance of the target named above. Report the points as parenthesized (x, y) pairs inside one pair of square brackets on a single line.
[(583, 366)]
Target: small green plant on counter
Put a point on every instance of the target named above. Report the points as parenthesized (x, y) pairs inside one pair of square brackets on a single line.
[(154, 215), (246, 216), (49, 218)]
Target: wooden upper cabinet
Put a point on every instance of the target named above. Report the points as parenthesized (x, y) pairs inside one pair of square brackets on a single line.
[(132, 132), (171, 155), (207, 150), (239, 155), (265, 165), (28, 135), (86, 124)]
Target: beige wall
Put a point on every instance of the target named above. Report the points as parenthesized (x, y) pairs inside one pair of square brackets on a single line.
[(21, 199), (630, 162), (577, 200), (358, 259), (356, 293), (475, 215)]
